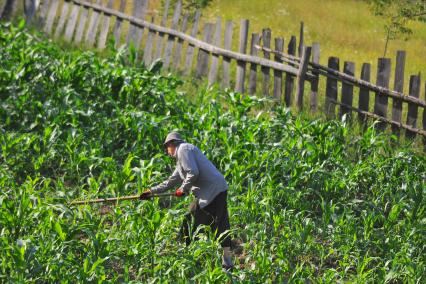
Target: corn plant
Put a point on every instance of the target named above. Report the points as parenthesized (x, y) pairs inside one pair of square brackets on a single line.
[(310, 200)]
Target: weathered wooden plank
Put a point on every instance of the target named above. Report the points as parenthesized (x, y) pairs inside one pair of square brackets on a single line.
[(227, 60), (93, 26), (147, 54), (278, 75), (84, 15), (215, 58), (412, 108), (381, 101), (364, 93), (387, 120), (30, 9), (398, 87), (255, 38), (289, 79), (203, 56), (266, 38), (62, 19), (301, 76), (424, 124), (118, 24), (136, 32), (171, 39), (72, 22), (331, 89), (51, 16), (190, 49), (347, 89), (315, 79), (158, 43), (105, 27), (241, 65), (301, 38), (178, 50), (44, 9)]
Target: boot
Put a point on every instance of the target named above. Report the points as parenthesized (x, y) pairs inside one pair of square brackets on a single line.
[(227, 264)]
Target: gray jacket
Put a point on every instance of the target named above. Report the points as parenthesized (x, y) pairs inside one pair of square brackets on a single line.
[(196, 173)]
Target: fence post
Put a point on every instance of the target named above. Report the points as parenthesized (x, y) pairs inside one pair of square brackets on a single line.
[(301, 39), (69, 31), (190, 49), (399, 87), (158, 42), (289, 78), (118, 24), (147, 53), (424, 124), (105, 27), (9, 9), (135, 32), (253, 67), (171, 39), (93, 26), (29, 10), (364, 93), (381, 101), (203, 56), (241, 65), (178, 50), (81, 24), (412, 108), (63, 17), (347, 89), (331, 89), (301, 76), (227, 60), (315, 80), (51, 16), (215, 58), (266, 39), (278, 75), (43, 10)]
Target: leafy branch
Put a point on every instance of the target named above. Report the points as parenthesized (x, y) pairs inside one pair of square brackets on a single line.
[(397, 15)]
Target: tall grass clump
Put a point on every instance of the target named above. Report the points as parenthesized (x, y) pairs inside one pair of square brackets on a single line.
[(309, 200)]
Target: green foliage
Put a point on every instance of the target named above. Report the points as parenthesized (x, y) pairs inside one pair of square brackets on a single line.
[(397, 15), (191, 6), (308, 199)]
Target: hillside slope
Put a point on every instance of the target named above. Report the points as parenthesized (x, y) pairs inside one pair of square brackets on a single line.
[(307, 199)]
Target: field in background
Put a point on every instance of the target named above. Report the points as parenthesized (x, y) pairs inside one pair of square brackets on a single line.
[(344, 28)]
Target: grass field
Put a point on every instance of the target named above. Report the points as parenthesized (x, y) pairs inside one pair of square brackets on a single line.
[(344, 28)]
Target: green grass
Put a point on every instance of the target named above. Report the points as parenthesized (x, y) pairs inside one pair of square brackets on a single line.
[(344, 28), (309, 200)]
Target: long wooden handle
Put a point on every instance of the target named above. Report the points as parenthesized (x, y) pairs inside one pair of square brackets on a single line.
[(116, 199)]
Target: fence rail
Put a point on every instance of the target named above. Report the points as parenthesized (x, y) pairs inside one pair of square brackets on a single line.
[(93, 24)]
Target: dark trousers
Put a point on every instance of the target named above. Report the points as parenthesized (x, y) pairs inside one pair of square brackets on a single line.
[(214, 215)]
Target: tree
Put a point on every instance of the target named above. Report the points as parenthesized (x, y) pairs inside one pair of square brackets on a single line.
[(397, 15)]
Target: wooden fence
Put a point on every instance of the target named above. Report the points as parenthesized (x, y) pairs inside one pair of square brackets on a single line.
[(295, 77)]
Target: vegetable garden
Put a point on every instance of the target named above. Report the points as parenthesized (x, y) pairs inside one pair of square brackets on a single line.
[(309, 200)]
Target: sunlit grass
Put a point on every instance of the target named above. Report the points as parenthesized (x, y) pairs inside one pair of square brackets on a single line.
[(344, 28)]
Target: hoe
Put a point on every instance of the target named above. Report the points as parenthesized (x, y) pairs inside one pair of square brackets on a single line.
[(116, 199)]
